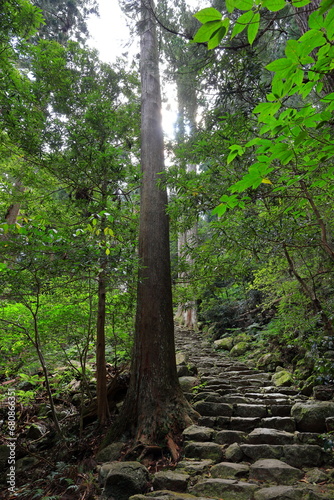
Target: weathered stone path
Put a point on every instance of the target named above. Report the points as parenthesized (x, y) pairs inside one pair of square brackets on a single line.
[(248, 443)]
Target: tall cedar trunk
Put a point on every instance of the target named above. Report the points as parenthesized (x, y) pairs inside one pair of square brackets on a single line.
[(155, 409)]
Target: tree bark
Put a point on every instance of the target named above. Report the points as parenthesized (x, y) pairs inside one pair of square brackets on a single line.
[(155, 410)]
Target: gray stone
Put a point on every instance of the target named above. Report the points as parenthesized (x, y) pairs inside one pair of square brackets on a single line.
[(197, 433), (229, 437), (188, 383), (125, 479), (170, 480), (181, 358), (258, 451), (239, 349), (246, 424), (234, 453), (274, 471), (211, 451), (279, 493), (194, 466), (316, 476), (213, 409), (166, 495), (228, 489), (250, 411), (262, 435), (311, 416), (109, 453), (229, 470), (301, 455), (281, 423)]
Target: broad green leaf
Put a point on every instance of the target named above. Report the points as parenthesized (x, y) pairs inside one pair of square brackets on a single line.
[(274, 5), (253, 28), (230, 5), (292, 50), (267, 108), (207, 31), (244, 4), (311, 40), (315, 20), (325, 5), (209, 14), (241, 23), (279, 64), (217, 38)]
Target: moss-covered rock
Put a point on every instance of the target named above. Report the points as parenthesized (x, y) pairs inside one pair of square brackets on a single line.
[(239, 348), (225, 343), (282, 378)]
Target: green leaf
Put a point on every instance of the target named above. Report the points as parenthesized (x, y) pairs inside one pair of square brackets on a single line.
[(209, 14), (267, 108), (217, 38), (230, 5), (279, 64), (244, 4), (207, 31), (292, 50), (274, 5), (310, 40), (253, 28), (325, 5), (241, 23)]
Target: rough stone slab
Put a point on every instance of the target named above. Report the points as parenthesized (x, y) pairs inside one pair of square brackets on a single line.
[(246, 424), (248, 410), (167, 495), (197, 433), (210, 451), (280, 410), (228, 489), (258, 451), (212, 396), (229, 470), (301, 455), (187, 383), (234, 453), (274, 471), (311, 416), (125, 479), (193, 467), (207, 421), (213, 409), (229, 437), (262, 435), (232, 399), (279, 493), (287, 424), (170, 480)]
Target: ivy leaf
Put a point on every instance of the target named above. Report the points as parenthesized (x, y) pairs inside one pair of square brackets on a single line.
[(209, 14), (274, 5), (253, 28)]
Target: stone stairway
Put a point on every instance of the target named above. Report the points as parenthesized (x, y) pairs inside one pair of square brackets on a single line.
[(247, 445)]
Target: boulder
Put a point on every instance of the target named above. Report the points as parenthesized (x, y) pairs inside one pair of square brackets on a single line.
[(225, 343), (311, 416), (262, 435), (229, 470), (193, 467), (282, 378), (239, 349), (213, 409), (170, 480), (188, 383), (124, 479), (228, 489), (274, 471)]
